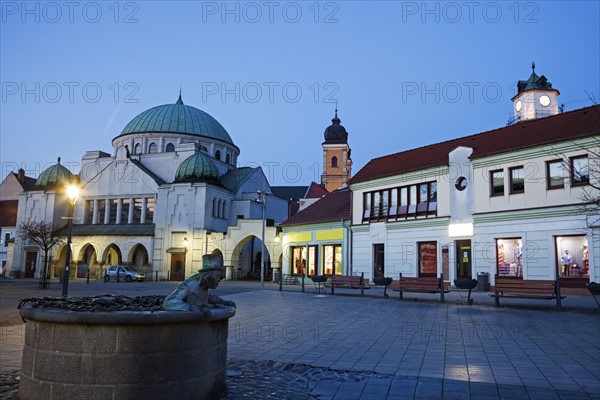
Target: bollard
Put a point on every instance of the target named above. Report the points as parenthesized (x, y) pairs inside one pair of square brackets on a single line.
[(400, 286), (156, 277), (280, 282), (118, 280), (442, 287), (362, 283), (302, 283)]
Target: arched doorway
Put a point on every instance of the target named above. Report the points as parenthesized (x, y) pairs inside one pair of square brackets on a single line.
[(58, 264), (246, 259), (112, 256), (88, 262), (139, 260)]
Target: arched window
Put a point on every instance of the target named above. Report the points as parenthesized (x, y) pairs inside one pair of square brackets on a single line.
[(214, 210), (223, 210), (219, 208), (170, 148), (153, 148), (218, 155), (227, 158), (334, 161), (137, 149)]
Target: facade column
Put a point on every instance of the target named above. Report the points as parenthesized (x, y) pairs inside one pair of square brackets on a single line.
[(144, 145), (131, 207), (106, 211), (119, 209), (95, 212), (144, 207)]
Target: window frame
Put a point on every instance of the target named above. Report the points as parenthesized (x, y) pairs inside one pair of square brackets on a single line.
[(511, 178), (572, 171), (492, 193), (549, 185)]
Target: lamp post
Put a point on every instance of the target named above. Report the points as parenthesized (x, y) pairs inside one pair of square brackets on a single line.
[(261, 200), (72, 193)]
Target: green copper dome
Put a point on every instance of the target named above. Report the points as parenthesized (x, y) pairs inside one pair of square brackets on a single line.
[(177, 118), (197, 168), (56, 175)]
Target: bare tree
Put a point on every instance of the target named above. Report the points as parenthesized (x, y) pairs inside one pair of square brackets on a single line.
[(588, 172), (46, 235)]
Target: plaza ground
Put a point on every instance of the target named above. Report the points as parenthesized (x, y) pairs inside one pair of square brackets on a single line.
[(347, 346)]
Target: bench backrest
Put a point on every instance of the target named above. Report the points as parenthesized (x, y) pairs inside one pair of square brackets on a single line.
[(421, 282), (521, 286), (345, 280)]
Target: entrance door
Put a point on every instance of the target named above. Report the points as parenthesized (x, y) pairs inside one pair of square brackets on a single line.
[(30, 264), (378, 261), (463, 259), (177, 267)]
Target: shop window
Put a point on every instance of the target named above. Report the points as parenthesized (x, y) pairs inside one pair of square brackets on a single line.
[(517, 180), (427, 258), (497, 182), (304, 260), (332, 259), (580, 172), (378, 261), (170, 148), (510, 257), (573, 257), (555, 174)]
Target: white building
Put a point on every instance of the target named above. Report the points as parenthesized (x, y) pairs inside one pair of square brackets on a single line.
[(168, 193), (506, 201)]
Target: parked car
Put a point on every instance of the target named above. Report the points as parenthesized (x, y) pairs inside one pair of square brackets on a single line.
[(125, 273)]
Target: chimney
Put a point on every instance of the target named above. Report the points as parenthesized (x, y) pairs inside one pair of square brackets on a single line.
[(21, 175)]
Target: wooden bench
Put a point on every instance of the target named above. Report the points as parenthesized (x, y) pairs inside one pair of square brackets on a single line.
[(347, 282), (423, 284), (529, 289)]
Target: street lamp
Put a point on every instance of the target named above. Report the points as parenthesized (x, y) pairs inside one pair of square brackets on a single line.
[(72, 193), (261, 200)]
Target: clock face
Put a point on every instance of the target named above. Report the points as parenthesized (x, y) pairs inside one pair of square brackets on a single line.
[(518, 105), (544, 100)]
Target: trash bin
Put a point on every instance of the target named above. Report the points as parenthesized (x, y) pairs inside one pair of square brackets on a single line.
[(483, 282)]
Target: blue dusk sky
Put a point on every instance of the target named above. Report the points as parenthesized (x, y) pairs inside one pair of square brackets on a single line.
[(405, 74)]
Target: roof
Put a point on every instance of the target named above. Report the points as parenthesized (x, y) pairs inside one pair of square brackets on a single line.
[(197, 168), (235, 178), (335, 133), (331, 208), (177, 118), (534, 82), (27, 183), (8, 212), (293, 193), (56, 175), (561, 127), (147, 171), (113, 230), (315, 191)]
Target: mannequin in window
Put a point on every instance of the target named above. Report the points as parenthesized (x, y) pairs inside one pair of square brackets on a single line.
[(567, 260), (586, 261)]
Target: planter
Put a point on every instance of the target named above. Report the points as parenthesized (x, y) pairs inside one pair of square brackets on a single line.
[(129, 354)]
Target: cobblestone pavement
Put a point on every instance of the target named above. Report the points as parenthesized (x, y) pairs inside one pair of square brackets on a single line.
[(290, 345)]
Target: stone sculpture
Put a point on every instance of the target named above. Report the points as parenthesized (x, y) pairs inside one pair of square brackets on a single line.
[(192, 294)]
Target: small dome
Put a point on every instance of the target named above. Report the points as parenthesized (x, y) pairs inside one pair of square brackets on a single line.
[(56, 175), (197, 168), (336, 133), (177, 118)]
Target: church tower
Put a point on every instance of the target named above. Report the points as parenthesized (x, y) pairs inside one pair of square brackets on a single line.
[(536, 98), (337, 164)]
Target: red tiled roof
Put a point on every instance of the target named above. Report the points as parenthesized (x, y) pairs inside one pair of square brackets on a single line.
[(8, 212), (315, 191), (570, 125), (333, 207)]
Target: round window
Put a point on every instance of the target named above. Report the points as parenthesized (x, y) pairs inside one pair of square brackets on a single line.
[(461, 183)]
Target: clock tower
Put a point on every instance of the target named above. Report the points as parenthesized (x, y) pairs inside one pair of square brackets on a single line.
[(536, 98), (337, 164)]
